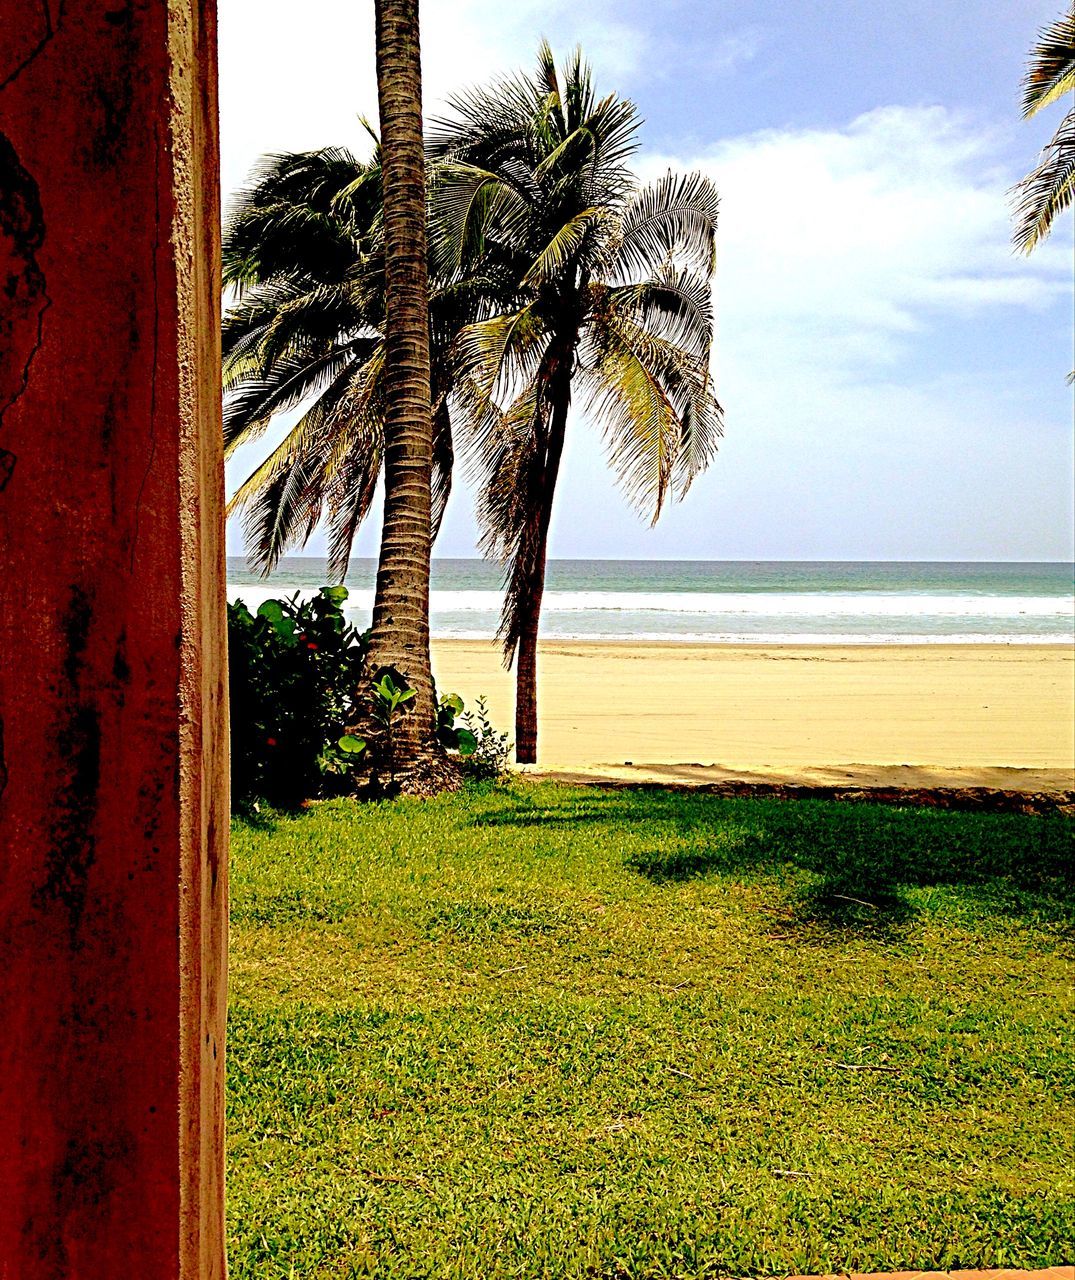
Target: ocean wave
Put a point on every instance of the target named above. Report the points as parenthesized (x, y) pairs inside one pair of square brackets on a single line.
[(791, 638), (820, 605)]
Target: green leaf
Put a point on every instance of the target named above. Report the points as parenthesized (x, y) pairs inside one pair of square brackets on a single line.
[(271, 611), (352, 745), (467, 743), (282, 623), (336, 594)]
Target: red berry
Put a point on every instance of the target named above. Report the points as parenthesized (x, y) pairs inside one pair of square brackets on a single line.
[(270, 742), (311, 645)]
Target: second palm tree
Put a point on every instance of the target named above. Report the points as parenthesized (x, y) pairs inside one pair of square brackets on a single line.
[(604, 289)]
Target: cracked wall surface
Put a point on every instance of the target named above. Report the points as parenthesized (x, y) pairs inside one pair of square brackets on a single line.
[(23, 299), (113, 772)]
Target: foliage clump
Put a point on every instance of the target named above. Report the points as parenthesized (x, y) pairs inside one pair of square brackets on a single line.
[(487, 759), (300, 683), (296, 669)]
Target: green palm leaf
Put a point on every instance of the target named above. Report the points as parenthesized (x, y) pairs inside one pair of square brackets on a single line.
[(554, 257), (640, 423), (1051, 72), (288, 383), (1048, 189), (497, 350), (676, 304)]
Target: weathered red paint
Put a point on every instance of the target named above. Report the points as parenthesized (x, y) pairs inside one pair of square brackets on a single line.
[(113, 772)]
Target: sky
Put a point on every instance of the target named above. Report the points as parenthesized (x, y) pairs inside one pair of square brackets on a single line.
[(893, 376)]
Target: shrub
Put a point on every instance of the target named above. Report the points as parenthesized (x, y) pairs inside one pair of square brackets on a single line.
[(488, 759), (296, 669)]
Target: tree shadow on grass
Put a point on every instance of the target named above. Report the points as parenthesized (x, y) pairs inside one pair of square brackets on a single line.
[(839, 878), (849, 867)]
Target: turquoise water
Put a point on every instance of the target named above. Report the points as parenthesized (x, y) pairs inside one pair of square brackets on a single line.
[(733, 601)]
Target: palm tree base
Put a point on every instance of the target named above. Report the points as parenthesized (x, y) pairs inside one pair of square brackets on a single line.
[(432, 772), (423, 771)]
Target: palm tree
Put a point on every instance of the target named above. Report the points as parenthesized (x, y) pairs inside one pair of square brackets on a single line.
[(321, 252), (304, 254), (609, 294), (1048, 189), (400, 635)]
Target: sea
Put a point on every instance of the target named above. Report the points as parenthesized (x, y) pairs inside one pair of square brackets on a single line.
[(729, 601)]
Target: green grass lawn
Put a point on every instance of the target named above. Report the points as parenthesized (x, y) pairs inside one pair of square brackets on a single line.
[(551, 1032)]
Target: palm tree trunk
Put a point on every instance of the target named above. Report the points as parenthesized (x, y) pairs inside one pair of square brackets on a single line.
[(526, 681), (526, 722), (400, 636)]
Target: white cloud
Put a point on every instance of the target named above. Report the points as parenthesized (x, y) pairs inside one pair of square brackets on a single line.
[(867, 299), (846, 241), (735, 50)]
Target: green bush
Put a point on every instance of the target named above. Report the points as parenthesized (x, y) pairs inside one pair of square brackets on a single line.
[(487, 759), (296, 669)]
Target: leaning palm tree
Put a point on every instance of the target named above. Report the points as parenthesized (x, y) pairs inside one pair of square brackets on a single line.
[(1050, 187), (305, 255), (609, 289)]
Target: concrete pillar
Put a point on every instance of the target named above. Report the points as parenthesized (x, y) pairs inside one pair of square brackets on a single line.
[(113, 766)]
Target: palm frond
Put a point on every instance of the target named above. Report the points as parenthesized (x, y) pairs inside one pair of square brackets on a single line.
[(282, 514), (459, 204), (301, 438), (328, 463), (676, 304), (578, 91), (1048, 189), (311, 178), (281, 501), (363, 192), (319, 318), (554, 256), (252, 403), (485, 121), (655, 405), (1051, 71), (673, 218), (285, 241), (640, 425), (493, 352), (443, 464), (547, 85), (614, 125), (245, 321), (292, 219), (350, 489)]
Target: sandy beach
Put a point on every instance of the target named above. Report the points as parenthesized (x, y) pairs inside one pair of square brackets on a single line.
[(922, 715)]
